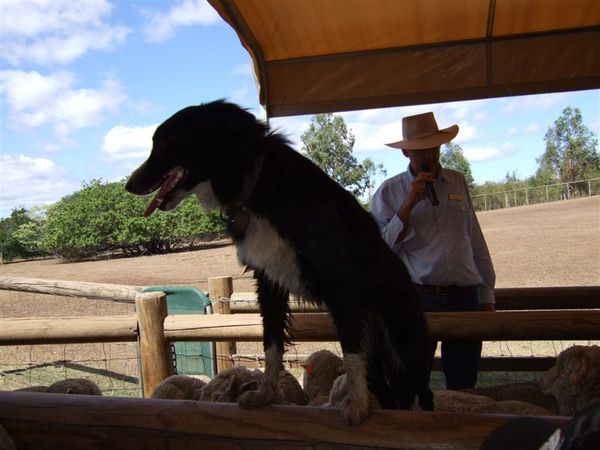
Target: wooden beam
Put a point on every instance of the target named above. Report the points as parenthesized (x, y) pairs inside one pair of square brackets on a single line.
[(513, 299), (68, 330), (561, 297), (44, 421), (499, 326), (114, 292)]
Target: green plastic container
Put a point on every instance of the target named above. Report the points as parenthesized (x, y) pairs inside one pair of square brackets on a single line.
[(189, 358)]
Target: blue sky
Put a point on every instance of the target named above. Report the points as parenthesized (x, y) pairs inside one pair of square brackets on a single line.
[(83, 85)]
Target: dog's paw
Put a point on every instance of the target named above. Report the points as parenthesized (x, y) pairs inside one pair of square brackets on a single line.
[(354, 410), (260, 397)]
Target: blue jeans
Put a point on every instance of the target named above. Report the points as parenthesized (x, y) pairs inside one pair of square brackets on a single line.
[(460, 359)]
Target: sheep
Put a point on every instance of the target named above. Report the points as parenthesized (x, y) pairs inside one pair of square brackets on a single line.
[(526, 391), (321, 369), (574, 381), (523, 433), (36, 388), (79, 386), (180, 387), (291, 389), (339, 391), (229, 384), (458, 401), (582, 432)]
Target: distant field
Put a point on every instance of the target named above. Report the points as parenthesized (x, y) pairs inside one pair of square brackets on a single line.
[(553, 244)]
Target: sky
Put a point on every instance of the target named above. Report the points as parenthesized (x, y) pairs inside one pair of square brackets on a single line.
[(84, 84)]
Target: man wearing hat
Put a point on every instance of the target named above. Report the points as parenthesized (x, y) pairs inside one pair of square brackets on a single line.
[(426, 216)]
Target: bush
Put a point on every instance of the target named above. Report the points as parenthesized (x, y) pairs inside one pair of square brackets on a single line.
[(103, 217)]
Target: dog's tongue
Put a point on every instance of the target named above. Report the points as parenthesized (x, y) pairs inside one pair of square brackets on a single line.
[(167, 185)]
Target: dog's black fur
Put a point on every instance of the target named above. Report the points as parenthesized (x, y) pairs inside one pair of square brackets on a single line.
[(301, 233)]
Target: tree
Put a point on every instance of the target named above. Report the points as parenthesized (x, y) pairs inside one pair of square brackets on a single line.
[(329, 144), (372, 170), (17, 233), (571, 150), (452, 158), (104, 218)]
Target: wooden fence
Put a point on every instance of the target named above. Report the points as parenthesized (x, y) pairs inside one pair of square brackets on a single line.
[(523, 314), (52, 421), (92, 422)]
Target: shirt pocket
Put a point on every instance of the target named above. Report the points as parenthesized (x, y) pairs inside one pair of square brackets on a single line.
[(458, 206)]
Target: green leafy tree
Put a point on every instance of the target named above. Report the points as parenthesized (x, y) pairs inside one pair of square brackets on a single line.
[(18, 232), (571, 150), (104, 218), (30, 234), (452, 157), (372, 171), (329, 144)]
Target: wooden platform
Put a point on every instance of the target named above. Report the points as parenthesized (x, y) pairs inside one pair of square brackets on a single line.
[(60, 421)]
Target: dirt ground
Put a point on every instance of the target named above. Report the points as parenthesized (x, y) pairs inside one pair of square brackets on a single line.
[(554, 244)]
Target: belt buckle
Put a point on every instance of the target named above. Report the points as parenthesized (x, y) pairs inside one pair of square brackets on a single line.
[(441, 290)]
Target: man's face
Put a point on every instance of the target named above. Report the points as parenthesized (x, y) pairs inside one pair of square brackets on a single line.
[(424, 157)]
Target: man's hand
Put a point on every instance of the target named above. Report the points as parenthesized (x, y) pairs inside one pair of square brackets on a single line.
[(418, 191)]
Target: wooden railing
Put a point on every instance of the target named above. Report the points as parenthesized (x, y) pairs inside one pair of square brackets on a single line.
[(52, 421), (61, 421)]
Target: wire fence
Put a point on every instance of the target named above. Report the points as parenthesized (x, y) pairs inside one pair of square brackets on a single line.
[(112, 366), (537, 194)]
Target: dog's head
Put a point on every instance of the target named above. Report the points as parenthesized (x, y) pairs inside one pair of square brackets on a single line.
[(205, 150)]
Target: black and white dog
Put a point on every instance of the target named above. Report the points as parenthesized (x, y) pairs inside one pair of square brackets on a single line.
[(300, 233)]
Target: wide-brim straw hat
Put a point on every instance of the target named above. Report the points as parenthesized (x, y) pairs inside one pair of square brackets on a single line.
[(421, 132)]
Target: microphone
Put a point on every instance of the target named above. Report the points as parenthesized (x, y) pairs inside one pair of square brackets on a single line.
[(429, 187)]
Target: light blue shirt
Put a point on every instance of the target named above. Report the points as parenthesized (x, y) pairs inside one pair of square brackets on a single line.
[(444, 244)]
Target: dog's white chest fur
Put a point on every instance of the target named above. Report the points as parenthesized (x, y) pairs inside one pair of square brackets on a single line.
[(264, 249)]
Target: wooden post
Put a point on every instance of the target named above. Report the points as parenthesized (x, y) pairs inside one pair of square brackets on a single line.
[(155, 351), (219, 291)]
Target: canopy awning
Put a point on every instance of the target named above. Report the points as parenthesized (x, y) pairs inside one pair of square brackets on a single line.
[(314, 56)]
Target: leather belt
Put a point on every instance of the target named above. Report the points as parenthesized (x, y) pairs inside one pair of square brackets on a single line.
[(429, 289)]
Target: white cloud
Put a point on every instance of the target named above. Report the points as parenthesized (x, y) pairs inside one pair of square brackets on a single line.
[(56, 32), (540, 102), (123, 142), (162, 25), (239, 95), (35, 100), (480, 154), (292, 127), (243, 70), (489, 153), (466, 133), (30, 181)]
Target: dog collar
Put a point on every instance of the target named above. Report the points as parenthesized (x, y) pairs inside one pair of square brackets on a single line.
[(236, 213)]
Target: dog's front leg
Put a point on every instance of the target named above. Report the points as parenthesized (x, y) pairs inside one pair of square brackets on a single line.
[(355, 406), (273, 301)]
